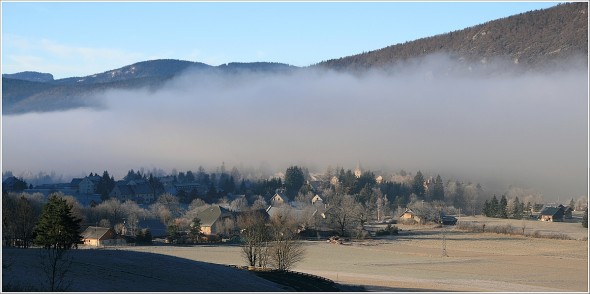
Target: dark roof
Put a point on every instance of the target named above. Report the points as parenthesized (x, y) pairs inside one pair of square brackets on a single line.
[(133, 189), (552, 211), (76, 181), (414, 211), (283, 195), (209, 214), (9, 181), (92, 232), (261, 211)]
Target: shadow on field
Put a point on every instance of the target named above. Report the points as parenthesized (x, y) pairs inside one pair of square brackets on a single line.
[(112, 270), (391, 289)]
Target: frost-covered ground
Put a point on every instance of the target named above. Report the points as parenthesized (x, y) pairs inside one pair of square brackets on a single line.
[(413, 261), (100, 270), (408, 262)]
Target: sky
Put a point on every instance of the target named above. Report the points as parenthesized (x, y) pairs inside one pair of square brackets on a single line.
[(526, 130), (82, 38)]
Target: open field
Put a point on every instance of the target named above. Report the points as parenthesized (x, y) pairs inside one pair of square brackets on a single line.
[(410, 261), (413, 261)]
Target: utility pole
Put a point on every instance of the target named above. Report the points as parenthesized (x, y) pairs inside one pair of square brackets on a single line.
[(444, 242)]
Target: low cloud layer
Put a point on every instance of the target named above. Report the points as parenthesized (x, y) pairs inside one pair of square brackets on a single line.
[(525, 129)]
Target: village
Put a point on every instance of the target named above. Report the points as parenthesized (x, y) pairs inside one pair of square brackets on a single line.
[(145, 209)]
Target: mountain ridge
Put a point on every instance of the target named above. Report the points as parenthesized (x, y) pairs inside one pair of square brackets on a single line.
[(534, 39), (548, 38)]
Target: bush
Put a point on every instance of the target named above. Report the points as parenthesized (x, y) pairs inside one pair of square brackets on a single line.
[(144, 236), (505, 229), (389, 230)]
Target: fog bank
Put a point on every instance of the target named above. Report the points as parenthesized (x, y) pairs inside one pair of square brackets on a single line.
[(526, 129)]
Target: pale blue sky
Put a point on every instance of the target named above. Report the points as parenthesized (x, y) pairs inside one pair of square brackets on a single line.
[(83, 38)]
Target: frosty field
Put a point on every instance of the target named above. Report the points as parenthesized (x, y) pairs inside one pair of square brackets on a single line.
[(410, 261), (413, 260)]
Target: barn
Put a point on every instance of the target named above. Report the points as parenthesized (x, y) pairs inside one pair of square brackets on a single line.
[(551, 214)]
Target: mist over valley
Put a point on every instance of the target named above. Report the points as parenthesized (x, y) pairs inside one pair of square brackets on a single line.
[(508, 128)]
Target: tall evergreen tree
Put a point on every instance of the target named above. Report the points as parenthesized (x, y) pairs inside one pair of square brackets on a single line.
[(105, 186), (494, 207), (438, 191), (294, 180), (487, 210), (517, 209), (57, 231), (585, 218), (459, 199), (418, 185), (503, 209), (57, 227)]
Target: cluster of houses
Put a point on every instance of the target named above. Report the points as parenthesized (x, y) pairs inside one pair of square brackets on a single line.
[(217, 220)]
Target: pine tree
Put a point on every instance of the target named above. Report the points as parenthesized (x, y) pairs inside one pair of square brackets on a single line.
[(294, 180), (503, 209), (438, 192), (585, 218), (494, 207), (517, 209), (418, 185), (57, 231), (57, 227)]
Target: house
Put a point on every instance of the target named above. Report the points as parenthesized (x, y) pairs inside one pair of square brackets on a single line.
[(13, 184), (138, 191), (317, 200), (86, 185), (334, 181), (187, 187), (97, 236), (567, 211), (379, 179), (279, 199), (315, 185), (215, 220), (410, 214), (551, 214), (303, 217)]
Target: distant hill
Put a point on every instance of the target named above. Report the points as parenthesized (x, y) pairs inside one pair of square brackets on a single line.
[(22, 93), (531, 40), (32, 76), (162, 68)]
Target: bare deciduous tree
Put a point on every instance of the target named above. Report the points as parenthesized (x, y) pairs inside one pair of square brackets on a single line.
[(344, 213), (256, 236), (286, 249)]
